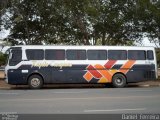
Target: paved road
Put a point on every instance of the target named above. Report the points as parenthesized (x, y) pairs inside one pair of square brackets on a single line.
[(81, 100)]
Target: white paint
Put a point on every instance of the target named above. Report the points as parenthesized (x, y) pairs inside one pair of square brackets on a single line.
[(24, 71), (147, 85), (115, 110), (71, 92), (9, 93), (8, 113), (140, 90)]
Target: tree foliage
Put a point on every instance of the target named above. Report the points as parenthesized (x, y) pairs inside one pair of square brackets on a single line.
[(3, 59), (104, 22)]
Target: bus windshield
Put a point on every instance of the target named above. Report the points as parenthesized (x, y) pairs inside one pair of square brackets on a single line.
[(15, 57)]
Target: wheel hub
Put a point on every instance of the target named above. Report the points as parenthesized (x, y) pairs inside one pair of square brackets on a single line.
[(119, 81), (35, 82)]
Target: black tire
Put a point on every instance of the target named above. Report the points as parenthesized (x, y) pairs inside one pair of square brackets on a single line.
[(119, 80), (35, 82)]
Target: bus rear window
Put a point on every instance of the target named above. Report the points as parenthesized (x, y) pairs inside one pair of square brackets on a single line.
[(55, 54), (136, 55), (35, 54), (150, 55), (117, 54), (76, 54)]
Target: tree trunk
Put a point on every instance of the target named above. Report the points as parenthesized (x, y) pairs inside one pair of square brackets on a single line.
[(103, 38)]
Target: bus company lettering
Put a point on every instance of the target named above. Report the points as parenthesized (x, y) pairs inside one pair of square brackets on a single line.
[(40, 64), (52, 64), (61, 65)]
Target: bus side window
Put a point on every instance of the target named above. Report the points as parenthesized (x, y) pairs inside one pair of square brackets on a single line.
[(16, 57), (97, 54), (35, 54), (76, 54), (150, 55), (55, 54), (117, 54), (136, 55)]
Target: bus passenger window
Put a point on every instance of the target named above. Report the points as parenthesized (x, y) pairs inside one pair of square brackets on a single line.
[(76, 54), (97, 54), (55, 54), (150, 55), (136, 55), (35, 54), (117, 54)]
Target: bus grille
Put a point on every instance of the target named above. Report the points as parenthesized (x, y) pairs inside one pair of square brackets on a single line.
[(149, 75)]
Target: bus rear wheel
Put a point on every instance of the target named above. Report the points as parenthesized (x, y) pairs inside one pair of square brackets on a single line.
[(35, 82), (119, 80)]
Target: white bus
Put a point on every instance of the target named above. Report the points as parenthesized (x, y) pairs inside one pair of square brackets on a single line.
[(119, 65)]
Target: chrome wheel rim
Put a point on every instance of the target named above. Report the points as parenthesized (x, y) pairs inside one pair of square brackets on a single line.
[(119, 81), (35, 82)]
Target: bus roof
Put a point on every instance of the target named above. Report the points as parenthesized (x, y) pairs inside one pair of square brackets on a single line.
[(83, 47)]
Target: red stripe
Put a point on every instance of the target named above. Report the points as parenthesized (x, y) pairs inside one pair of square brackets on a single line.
[(94, 72), (109, 64)]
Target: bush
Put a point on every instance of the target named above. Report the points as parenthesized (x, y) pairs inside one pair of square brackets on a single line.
[(3, 59), (158, 57)]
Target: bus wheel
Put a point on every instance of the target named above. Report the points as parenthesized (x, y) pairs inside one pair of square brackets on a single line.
[(35, 82), (119, 80)]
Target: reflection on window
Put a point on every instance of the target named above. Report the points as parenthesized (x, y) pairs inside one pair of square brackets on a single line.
[(76, 54), (136, 55), (97, 54), (55, 54), (117, 54), (35, 54), (150, 55)]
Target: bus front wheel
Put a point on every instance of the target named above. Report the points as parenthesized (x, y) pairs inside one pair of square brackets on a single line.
[(119, 80), (35, 82)]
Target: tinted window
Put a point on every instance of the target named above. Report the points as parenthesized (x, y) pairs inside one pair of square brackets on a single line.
[(97, 54), (136, 55), (117, 55), (54, 54), (76, 54), (33, 54), (150, 55), (16, 57)]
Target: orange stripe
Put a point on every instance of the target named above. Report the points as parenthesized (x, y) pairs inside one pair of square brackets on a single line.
[(105, 73), (88, 76), (127, 66)]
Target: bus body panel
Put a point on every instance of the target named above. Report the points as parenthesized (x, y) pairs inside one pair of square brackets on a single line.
[(76, 74)]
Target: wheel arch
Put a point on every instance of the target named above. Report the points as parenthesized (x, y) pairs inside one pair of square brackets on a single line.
[(35, 73)]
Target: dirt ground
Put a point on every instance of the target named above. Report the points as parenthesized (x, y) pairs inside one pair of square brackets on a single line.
[(1, 74)]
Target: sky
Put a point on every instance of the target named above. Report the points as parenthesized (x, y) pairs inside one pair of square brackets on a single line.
[(4, 33), (146, 42)]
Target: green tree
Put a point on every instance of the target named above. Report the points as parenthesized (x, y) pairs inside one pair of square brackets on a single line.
[(3, 59), (148, 19), (105, 22)]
